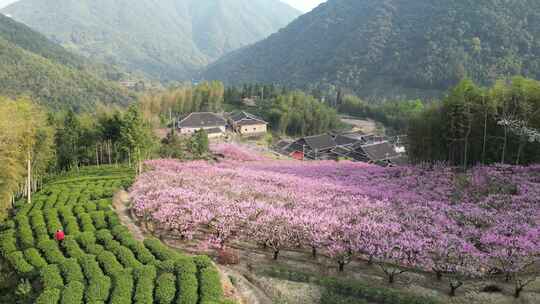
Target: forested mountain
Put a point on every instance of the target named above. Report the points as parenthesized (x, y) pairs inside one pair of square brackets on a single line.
[(34, 66), (395, 48), (166, 39)]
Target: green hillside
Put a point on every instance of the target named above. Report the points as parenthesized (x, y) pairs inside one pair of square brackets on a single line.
[(395, 48), (33, 66), (99, 261), (167, 39)]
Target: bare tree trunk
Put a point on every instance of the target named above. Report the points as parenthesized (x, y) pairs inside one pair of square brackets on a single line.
[(29, 179), (503, 158), (485, 137)]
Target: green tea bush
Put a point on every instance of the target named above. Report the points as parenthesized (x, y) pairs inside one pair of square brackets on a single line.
[(50, 277), (87, 224), (19, 263), (108, 261), (25, 234), (166, 266), (112, 218), (53, 223), (49, 296), (160, 250), (73, 293), (90, 267), (33, 257), (90, 207), (95, 249), (210, 289), (104, 204), (104, 236), (98, 217), (38, 224), (125, 256), (165, 288), (52, 253), (78, 210), (118, 230), (187, 281), (8, 242), (72, 247), (122, 288), (86, 239), (98, 289), (71, 270), (144, 288), (202, 261)]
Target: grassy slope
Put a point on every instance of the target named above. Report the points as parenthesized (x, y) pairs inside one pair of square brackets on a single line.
[(102, 255)]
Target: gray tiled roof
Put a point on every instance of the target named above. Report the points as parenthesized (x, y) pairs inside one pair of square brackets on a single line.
[(202, 120), (320, 142), (380, 151)]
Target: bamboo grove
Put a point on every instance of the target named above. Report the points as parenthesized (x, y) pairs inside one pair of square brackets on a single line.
[(474, 125), (35, 143)]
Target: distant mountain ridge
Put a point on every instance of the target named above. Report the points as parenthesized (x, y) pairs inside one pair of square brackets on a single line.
[(394, 48), (166, 39), (31, 65)]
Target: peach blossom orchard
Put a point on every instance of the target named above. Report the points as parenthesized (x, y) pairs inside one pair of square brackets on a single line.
[(459, 226)]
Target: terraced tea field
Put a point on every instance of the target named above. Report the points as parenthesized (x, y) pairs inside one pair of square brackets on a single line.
[(99, 261)]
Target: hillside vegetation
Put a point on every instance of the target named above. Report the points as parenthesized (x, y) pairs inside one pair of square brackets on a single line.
[(32, 65), (176, 38), (395, 48), (99, 261)]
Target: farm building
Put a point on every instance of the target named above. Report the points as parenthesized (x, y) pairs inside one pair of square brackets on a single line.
[(212, 123), (248, 124)]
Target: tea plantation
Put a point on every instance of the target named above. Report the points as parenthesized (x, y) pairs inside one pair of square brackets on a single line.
[(99, 261)]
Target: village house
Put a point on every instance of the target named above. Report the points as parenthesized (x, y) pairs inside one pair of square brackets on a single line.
[(351, 146), (248, 124), (212, 123)]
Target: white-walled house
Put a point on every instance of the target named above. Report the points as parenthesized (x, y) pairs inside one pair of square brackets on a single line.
[(212, 123), (248, 124)]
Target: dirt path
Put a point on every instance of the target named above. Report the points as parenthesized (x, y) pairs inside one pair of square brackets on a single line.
[(241, 290)]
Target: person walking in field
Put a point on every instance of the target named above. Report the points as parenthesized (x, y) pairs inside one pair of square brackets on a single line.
[(59, 235)]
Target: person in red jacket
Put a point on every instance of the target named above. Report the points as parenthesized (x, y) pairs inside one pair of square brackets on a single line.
[(59, 235)]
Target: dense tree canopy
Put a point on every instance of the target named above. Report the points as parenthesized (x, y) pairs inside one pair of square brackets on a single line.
[(394, 48)]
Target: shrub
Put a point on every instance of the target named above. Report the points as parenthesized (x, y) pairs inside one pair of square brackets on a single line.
[(90, 207), (50, 277), (118, 230), (73, 293), (51, 251), (112, 218), (143, 254), (87, 224), (161, 251), (8, 242), (38, 224), (349, 289), (95, 249), (144, 288), (98, 217), (71, 270), (202, 261), (90, 267), (228, 256), (123, 288), (33, 257), (25, 233), (86, 239), (53, 223), (109, 263), (166, 266), (72, 226), (125, 256), (98, 289), (72, 247), (21, 266), (210, 289), (104, 235), (165, 288), (104, 204), (187, 281), (49, 296)]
